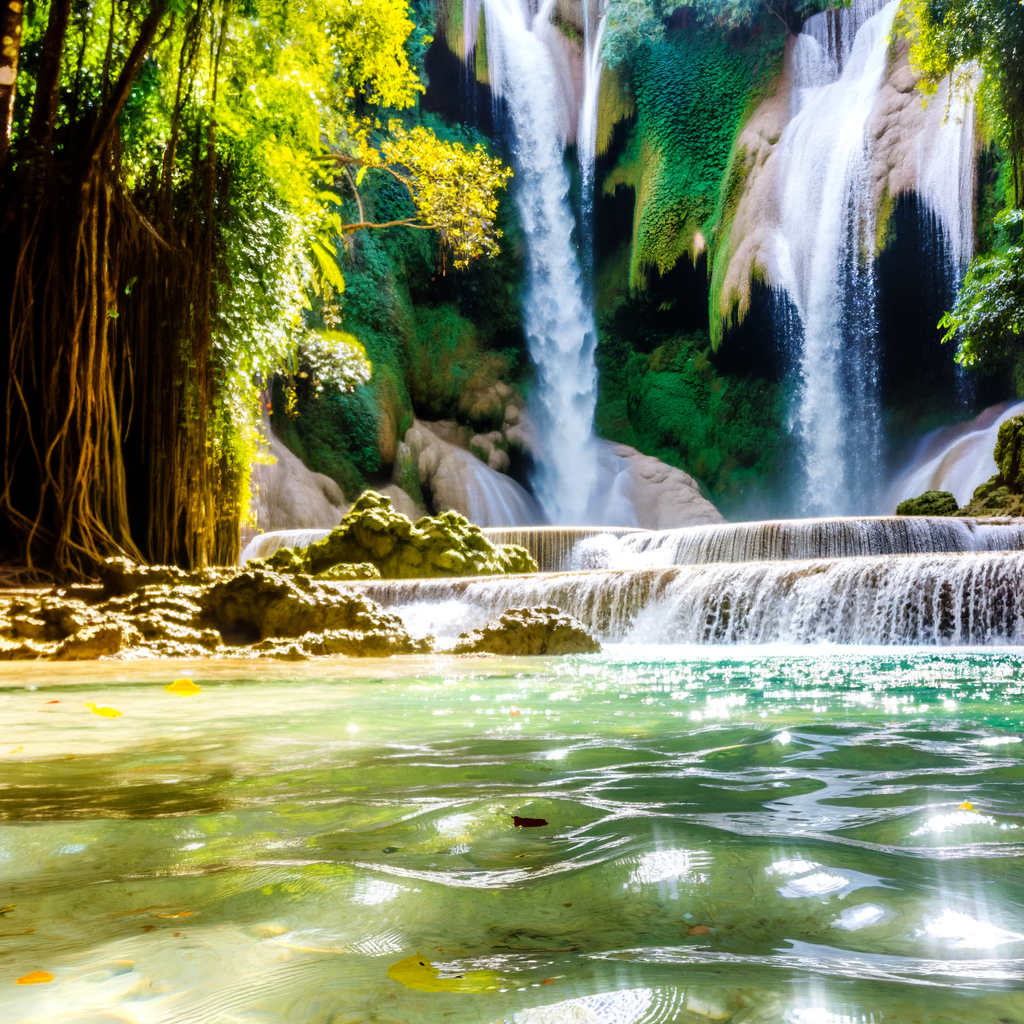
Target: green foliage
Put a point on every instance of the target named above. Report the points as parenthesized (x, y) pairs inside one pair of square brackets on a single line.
[(989, 313), (931, 503), (950, 39), (1009, 454), (674, 404), (692, 91)]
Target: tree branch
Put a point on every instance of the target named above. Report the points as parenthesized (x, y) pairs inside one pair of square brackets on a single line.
[(409, 223), (104, 129)]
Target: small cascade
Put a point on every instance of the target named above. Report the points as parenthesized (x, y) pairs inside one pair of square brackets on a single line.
[(957, 459), (789, 539), (554, 547), (263, 545), (910, 599)]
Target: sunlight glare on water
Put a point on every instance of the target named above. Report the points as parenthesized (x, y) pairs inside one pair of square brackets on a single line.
[(735, 835)]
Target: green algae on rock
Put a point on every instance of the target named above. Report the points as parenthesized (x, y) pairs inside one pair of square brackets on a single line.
[(373, 533), (931, 503), (1003, 494), (542, 630)]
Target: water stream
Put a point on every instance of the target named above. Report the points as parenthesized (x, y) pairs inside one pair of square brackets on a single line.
[(814, 837)]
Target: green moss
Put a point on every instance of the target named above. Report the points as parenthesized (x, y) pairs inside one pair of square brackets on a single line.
[(693, 90), (931, 503), (672, 402)]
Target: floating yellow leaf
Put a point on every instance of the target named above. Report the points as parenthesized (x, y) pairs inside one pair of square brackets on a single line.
[(16, 749), (966, 806), (183, 687), (35, 978), (102, 709), (184, 913), (418, 973)]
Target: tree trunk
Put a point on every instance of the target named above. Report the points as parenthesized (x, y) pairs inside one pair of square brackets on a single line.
[(10, 49), (44, 110)]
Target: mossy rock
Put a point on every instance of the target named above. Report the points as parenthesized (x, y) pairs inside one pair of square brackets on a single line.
[(544, 630), (931, 503), (994, 498), (1008, 452), (373, 533)]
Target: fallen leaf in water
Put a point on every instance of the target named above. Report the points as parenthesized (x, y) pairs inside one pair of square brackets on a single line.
[(698, 929), (184, 913), (6, 910), (417, 972), (183, 687), (53, 702), (548, 981), (528, 822), (16, 749), (102, 710), (966, 806), (35, 978), (515, 711)]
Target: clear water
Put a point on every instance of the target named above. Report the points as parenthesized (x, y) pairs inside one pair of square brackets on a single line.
[(266, 850)]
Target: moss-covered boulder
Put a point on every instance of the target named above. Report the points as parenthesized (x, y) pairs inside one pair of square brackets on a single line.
[(1003, 494), (544, 630), (931, 503), (373, 533)]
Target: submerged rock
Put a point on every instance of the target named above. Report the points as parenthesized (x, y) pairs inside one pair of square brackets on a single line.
[(544, 630), (373, 534), (931, 503)]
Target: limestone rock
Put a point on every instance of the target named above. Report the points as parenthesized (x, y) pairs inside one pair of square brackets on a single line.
[(663, 497), (931, 503), (445, 545), (99, 641), (404, 502), (543, 630), (287, 495), (458, 481)]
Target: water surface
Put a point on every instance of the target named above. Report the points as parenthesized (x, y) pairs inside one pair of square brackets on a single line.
[(742, 835)]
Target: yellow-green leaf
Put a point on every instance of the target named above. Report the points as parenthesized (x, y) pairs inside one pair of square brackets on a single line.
[(102, 710), (183, 687), (35, 978), (418, 973)]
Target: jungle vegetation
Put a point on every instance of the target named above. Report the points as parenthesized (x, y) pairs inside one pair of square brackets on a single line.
[(181, 180)]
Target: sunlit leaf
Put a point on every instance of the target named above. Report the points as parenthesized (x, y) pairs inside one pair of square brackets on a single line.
[(183, 687), (102, 710), (966, 806), (35, 978), (418, 973)]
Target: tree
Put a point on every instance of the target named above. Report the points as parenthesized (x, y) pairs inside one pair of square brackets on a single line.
[(170, 208)]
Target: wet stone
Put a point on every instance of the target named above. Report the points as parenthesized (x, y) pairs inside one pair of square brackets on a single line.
[(543, 630)]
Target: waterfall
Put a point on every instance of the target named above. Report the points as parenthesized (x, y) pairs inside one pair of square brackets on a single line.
[(824, 254), (902, 599), (558, 322), (586, 133)]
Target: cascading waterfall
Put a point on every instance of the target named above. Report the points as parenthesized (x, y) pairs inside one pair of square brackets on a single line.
[(909, 599), (823, 255), (559, 324), (586, 133)]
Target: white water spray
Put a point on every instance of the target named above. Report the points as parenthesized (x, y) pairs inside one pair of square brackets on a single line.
[(559, 324), (586, 133)]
